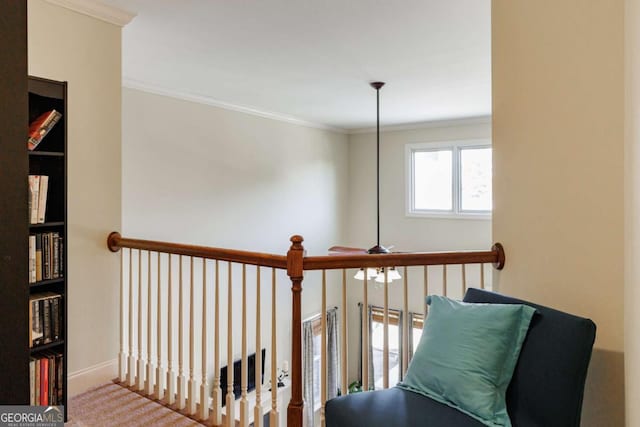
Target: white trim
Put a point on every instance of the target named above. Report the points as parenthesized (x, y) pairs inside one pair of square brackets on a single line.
[(185, 96), (455, 146), (467, 121), (95, 9), (84, 379)]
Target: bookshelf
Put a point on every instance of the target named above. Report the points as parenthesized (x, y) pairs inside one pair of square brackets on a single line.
[(47, 241)]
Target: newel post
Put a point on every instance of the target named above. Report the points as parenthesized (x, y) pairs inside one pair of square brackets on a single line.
[(295, 270)]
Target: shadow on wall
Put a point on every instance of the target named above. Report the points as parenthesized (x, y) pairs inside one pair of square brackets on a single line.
[(604, 391)]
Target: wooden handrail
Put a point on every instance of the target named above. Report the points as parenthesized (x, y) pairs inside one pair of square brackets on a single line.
[(495, 256), (115, 242)]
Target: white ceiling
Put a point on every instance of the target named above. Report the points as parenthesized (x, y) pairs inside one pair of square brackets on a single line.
[(313, 59)]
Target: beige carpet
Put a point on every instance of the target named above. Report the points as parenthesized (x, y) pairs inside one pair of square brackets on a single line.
[(113, 405)]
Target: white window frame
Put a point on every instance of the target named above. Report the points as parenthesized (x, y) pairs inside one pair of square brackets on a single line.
[(455, 146)]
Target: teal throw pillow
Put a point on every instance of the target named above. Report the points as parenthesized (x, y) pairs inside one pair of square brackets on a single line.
[(467, 355)]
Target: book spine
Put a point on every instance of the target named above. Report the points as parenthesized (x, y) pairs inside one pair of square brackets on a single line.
[(38, 257), (47, 320), (32, 382), (40, 127), (55, 317), (45, 256), (37, 382), (56, 255), (59, 377), (37, 318), (32, 258), (52, 380), (34, 184), (42, 198), (44, 381), (61, 255)]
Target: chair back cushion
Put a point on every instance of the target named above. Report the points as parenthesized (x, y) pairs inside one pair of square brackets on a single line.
[(548, 383)]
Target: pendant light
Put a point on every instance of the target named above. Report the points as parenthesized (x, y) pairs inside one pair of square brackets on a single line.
[(378, 273)]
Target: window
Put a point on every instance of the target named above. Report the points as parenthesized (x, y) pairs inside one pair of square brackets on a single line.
[(451, 179)]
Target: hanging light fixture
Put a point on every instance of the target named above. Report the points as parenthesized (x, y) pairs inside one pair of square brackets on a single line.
[(378, 273)]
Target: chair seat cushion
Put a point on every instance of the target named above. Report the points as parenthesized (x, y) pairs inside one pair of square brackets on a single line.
[(393, 407)]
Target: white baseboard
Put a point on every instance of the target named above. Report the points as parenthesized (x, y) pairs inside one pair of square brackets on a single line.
[(84, 379)]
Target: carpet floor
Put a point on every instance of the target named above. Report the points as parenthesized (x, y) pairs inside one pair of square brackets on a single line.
[(113, 405)]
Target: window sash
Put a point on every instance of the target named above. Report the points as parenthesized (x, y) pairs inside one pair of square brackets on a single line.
[(456, 147)]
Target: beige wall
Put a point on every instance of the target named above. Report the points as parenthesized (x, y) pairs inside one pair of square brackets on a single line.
[(632, 210), (396, 228), (199, 174), (84, 51), (558, 170)]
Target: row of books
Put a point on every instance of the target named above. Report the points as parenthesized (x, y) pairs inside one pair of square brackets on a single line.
[(46, 379), (46, 259), (40, 127), (45, 318), (38, 188)]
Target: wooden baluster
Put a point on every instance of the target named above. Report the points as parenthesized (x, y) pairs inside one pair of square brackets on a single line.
[(132, 359), (150, 370), (141, 365), (408, 324), (295, 270), (244, 403), (204, 385), (230, 402), (323, 349), (385, 334), (181, 377), (122, 357), (345, 353), (159, 387), (481, 276), (191, 385), (171, 376), (426, 292), (444, 280), (258, 412), (274, 415), (464, 279), (365, 334), (216, 414)]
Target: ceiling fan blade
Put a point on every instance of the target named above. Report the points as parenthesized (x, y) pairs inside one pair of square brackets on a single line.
[(347, 250)]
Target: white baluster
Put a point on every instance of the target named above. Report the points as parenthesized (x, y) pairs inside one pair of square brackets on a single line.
[(365, 334), (244, 403), (181, 377), (258, 412), (385, 334), (323, 349), (408, 324), (426, 292), (141, 364), (216, 414), (444, 280), (204, 385), (122, 357), (191, 385), (230, 402), (274, 415), (171, 376), (481, 276), (132, 359), (159, 386), (150, 368)]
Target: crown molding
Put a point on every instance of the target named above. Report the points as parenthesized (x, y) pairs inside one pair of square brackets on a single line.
[(185, 96), (466, 121), (95, 9)]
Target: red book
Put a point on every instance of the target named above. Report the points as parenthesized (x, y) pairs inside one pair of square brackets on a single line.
[(40, 127), (44, 381)]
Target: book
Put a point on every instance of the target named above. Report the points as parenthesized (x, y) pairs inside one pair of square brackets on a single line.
[(42, 198), (56, 256), (46, 318), (45, 257), (32, 381), (38, 257), (34, 189), (59, 378), (55, 318), (37, 382), (44, 381), (40, 127), (32, 258)]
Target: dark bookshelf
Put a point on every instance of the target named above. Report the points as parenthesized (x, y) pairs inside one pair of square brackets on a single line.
[(49, 159)]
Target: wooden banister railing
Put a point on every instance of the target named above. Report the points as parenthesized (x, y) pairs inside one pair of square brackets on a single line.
[(158, 377)]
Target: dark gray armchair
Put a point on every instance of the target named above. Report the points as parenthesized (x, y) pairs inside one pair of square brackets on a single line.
[(546, 389)]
